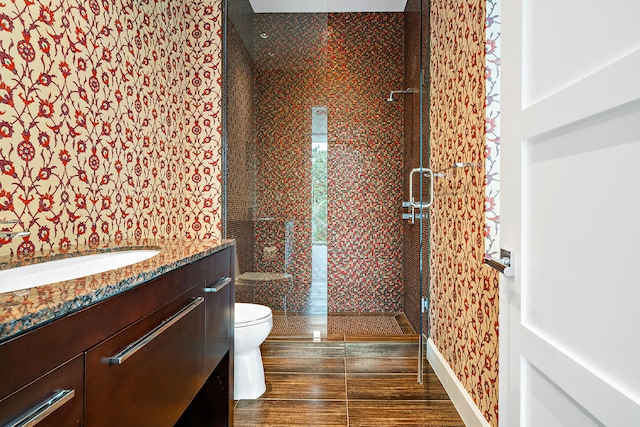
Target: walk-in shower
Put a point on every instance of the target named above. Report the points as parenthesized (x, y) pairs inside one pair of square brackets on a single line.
[(307, 219)]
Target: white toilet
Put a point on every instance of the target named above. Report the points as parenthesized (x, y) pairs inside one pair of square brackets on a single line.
[(253, 323)]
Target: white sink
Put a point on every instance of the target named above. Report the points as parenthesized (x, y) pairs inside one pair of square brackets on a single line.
[(45, 273)]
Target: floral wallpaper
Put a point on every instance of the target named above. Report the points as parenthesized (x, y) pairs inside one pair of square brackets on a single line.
[(492, 126), (109, 121), (464, 309), (202, 139)]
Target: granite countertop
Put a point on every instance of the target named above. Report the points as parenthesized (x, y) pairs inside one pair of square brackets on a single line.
[(28, 308)]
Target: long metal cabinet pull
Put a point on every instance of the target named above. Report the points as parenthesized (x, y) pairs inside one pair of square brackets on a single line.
[(217, 287), (43, 409), (421, 205), (134, 347)]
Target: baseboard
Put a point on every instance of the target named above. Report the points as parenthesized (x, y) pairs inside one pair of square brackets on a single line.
[(467, 409)]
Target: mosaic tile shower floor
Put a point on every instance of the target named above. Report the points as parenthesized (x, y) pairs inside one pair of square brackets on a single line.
[(348, 324)]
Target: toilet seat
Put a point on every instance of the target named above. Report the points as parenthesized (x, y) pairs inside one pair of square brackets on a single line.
[(250, 314)]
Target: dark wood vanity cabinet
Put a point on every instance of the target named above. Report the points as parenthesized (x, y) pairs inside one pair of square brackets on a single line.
[(136, 359), (147, 375)]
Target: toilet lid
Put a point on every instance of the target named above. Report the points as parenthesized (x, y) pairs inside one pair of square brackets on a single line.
[(246, 314)]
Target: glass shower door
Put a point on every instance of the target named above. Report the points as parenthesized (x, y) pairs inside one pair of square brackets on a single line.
[(418, 189), (276, 111)]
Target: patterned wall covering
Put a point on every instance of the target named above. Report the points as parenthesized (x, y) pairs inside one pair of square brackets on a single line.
[(202, 140), (109, 120), (492, 162), (366, 54), (464, 308)]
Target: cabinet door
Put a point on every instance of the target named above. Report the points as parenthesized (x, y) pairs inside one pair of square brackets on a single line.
[(53, 400), (219, 309), (147, 374)]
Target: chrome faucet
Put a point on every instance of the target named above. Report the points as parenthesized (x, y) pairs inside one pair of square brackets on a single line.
[(4, 234)]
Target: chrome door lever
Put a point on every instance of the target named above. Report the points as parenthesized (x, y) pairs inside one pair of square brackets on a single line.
[(504, 264)]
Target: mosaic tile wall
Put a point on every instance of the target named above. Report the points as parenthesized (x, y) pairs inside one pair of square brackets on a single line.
[(274, 245), (465, 304), (365, 162), (110, 125)]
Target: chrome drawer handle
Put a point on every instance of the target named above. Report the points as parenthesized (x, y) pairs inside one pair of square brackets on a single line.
[(217, 287), (44, 409), (132, 348)]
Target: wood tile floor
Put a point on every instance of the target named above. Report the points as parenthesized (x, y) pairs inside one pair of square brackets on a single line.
[(347, 381)]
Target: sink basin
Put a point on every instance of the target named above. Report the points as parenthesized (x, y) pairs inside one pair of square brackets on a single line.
[(45, 273)]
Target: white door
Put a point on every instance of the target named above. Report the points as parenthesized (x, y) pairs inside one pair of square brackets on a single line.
[(570, 318)]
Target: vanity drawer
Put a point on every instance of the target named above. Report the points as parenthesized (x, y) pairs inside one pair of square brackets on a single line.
[(148, 373), (56, 399)]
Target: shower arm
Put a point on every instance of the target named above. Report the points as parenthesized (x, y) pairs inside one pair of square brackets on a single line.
[(393, 92)]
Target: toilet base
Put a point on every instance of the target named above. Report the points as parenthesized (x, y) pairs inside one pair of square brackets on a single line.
[(248, 375)]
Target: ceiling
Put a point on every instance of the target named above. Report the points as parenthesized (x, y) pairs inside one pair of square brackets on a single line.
[(327, 6)]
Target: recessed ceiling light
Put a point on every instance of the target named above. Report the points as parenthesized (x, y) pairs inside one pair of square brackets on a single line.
[(271, 54), (264, 35)]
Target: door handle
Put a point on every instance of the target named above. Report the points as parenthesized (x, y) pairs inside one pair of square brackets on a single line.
[(504, 264), (429, 202)]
